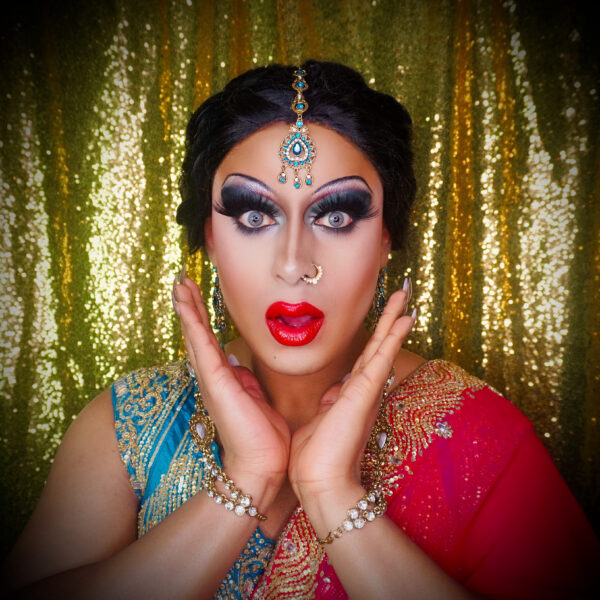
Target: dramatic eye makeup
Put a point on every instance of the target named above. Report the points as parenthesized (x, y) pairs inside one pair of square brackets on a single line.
[(251, 211), (341, 210)]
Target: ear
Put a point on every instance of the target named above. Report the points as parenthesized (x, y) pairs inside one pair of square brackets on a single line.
[(208, 238), (386, 246)]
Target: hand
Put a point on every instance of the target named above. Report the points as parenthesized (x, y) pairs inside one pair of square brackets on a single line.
[(255, 437), (325, 454)]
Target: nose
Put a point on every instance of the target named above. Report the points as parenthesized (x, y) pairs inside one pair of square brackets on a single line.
[(294, 257)]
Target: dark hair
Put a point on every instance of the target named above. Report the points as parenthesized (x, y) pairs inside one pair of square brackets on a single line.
[(338, 98)]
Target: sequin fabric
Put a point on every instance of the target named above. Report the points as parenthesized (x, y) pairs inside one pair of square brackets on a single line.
[(152, 408), (505, 259)]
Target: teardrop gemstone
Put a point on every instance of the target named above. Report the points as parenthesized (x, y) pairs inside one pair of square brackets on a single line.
[(297, 149)]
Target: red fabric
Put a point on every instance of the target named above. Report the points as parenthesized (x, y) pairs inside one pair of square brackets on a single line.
[(489, 506), (487, 503)]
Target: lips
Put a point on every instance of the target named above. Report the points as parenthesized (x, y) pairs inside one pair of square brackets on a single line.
[(294, 324)]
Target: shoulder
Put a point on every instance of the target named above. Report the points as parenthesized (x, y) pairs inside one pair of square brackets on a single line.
[(446, 422), (87, 510), (441, 396), (145, 381)]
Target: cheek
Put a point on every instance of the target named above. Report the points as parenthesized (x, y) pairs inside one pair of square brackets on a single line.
[(352, 271), (240, 263)]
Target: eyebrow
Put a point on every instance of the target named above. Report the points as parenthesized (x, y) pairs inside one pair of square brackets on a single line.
[(253, 180), (323, 188), (336, 182)]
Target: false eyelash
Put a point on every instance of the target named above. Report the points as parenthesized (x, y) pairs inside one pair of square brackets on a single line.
[(236, 201), (356, 203)]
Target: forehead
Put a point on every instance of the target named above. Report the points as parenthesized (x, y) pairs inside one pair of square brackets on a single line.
[(336, 157)]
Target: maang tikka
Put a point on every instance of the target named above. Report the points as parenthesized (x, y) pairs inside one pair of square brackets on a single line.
[(297, 150)]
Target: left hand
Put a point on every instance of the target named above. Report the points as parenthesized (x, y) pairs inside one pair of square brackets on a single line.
[(325, 453)]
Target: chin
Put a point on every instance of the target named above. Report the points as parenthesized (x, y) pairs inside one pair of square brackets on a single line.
[(306, 359)]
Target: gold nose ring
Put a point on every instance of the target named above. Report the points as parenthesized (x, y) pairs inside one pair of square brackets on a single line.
[(313, 280)]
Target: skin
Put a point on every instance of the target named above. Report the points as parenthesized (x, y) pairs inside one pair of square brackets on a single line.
[(290, 429)]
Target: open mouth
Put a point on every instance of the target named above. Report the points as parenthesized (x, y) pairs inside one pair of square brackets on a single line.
[(294, 324)]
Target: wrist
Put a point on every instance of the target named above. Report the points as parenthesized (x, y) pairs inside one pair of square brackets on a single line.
[(261, 487), (328, 509)]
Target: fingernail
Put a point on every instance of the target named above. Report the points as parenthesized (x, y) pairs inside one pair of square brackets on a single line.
[(182, 274), (346, 377), (232, 360), (173, 298), (413, 316), (407, 287)]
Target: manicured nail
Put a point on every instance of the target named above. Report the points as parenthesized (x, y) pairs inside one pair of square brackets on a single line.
[(413, 316), (407, 287), (182, 274), (233, 360), (346, 377), (173, 298)]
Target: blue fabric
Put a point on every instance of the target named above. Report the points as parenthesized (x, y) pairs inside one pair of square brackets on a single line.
[(152, 409)]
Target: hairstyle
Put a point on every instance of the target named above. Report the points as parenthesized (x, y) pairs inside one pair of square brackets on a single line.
[(338, 98)]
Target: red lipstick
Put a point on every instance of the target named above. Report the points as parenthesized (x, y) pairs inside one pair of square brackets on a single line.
[(294, 324)]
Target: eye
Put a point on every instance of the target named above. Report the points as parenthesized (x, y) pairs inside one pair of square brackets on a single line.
[(255, 219), (336, 219)]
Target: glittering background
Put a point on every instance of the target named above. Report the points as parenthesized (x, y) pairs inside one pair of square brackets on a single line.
[(505, 250)]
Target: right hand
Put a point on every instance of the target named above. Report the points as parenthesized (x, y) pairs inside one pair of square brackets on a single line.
[(255, 438)]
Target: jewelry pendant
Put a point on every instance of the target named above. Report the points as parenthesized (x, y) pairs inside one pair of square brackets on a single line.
[(297, 150), (202, 427)]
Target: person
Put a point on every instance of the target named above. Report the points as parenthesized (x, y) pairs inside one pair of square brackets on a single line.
[(309, 457)]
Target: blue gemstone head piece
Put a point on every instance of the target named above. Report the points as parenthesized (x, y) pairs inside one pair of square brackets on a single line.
[(297, 152)]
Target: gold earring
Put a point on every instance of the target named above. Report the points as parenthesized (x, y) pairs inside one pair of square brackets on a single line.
[(218, 305), (379, 300)]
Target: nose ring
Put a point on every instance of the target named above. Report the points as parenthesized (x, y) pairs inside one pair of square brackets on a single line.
[(313, 280)]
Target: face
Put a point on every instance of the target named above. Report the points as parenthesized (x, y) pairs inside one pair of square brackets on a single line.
[(263, 236)]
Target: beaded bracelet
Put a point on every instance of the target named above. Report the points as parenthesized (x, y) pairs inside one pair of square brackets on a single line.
[(373, 504), (366, 509), (203, 432)]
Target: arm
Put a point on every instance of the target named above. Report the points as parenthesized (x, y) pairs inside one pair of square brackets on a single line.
[(379, 561), (81, 539), (81, 542)]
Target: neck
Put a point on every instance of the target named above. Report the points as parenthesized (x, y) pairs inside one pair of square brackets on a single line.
[(297, 397)]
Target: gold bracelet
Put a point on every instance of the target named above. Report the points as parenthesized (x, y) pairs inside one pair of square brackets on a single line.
[(366, 509), (203, 432), (373, 504)]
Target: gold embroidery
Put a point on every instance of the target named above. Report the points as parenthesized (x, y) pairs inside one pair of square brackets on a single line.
[(293, 569), (415, 415), (149, 403), (140, 419)]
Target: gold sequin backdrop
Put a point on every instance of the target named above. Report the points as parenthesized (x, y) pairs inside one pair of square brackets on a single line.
[(505, 253)]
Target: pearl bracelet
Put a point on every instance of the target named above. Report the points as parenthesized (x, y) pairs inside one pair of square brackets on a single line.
[(203, 432), (365, 510)]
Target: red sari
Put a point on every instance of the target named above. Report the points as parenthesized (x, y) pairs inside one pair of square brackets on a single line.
[(472, 485)]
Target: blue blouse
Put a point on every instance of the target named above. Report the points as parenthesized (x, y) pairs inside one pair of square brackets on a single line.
[(152, 408)]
